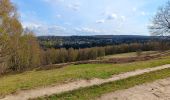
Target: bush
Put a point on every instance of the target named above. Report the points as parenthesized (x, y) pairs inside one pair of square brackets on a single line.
[(138, 53)]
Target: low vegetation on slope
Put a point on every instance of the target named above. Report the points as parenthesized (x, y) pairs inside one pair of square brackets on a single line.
[(33, 79), (93, 92), (131, 54)]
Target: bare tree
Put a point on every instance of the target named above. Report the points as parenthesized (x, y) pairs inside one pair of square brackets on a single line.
[(161, 22)]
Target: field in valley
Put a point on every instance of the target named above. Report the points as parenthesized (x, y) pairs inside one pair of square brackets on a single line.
[(71, 73)]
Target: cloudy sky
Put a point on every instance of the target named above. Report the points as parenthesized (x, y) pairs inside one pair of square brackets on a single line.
[(87, 17)]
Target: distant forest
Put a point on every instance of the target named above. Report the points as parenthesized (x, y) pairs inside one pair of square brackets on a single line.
[(77, 42)]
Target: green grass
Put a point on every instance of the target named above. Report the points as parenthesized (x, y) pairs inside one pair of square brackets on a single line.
[(33, 79), (90, 93)]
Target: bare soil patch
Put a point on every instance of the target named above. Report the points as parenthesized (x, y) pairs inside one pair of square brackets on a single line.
[(158, 90)]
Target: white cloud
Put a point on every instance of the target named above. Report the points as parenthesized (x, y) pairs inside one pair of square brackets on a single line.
[(123, 18), (55, 27), (88, 30), (74, 6), (125, 14), (58, 16), (134, 9), (112, 16), (31, 25), (100, 21), (143, 13), (41, 29), (67, 23)]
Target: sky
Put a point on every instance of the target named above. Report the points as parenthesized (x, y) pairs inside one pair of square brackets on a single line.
[(87, 17)]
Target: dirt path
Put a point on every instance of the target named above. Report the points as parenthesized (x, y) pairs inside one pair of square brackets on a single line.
[(158, 90), (26, 94)]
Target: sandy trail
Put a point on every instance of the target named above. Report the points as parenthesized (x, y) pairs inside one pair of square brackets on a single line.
[(158, 90), (26, 94)]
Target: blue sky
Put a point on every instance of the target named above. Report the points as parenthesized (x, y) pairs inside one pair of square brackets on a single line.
[(87, 17)]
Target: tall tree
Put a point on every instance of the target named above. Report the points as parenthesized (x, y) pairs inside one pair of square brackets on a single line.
[(7, 13), (18, 49), (161, 21), (161, 24)]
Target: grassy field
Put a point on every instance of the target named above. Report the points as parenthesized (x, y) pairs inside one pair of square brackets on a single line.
[(132, 54), (33, 79), (90, 93)]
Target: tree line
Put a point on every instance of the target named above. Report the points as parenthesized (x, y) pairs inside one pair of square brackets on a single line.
[(53, 56), (77, 42)]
